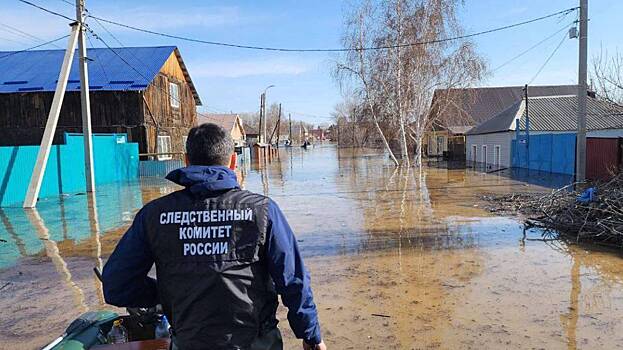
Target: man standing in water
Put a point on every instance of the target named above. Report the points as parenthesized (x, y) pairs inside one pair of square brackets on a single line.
[(222, 254)]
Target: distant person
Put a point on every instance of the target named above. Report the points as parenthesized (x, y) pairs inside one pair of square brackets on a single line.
[(222, 254)]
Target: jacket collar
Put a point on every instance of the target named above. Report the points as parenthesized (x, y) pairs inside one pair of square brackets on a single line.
[(202, 180)]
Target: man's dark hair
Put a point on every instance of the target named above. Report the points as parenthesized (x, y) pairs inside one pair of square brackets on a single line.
[(209, 144)]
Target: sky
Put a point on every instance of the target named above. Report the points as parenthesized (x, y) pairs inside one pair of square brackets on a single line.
[(231, 80)]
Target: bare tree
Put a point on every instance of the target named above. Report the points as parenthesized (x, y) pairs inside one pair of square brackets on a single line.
[(607, 76), (397, 81)]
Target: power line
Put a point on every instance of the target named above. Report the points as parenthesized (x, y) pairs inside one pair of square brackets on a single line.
[(97, 59), (548, 59), (250, 47), (13, 40), (309, 115), (118, 41), (47, 10), (133, 68), (562, 12), (530, 48), (21, 33), (34, 47)]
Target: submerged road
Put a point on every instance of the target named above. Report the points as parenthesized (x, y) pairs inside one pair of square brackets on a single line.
[(400, 259)]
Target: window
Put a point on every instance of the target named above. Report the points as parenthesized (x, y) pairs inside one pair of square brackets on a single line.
[(174, 95), (474, 151), (184, 140), (496, 156), (484, 154), (440, 147), (164, 146)]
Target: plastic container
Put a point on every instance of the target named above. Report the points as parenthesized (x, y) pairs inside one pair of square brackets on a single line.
[(118, 334)]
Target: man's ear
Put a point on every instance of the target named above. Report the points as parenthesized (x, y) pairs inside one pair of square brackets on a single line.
[(186, 159), (233, 161)]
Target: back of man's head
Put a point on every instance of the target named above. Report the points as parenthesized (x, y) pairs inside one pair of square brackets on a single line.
[(209, 144)]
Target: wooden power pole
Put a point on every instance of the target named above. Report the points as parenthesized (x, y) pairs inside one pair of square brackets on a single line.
[(580, 161)]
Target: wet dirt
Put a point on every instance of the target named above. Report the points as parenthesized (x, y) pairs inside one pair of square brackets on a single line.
[(399, 259)]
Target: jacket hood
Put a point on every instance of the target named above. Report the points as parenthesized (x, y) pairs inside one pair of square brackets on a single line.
[(202, 180)]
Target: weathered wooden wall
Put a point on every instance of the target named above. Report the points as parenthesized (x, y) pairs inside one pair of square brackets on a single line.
[(23, 115), (141, 114), (163, 119)]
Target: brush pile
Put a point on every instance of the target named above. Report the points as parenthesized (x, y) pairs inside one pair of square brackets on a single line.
[(579, 215)]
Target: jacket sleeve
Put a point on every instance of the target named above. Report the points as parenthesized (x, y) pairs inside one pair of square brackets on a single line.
[(292, 280), (125, 279)]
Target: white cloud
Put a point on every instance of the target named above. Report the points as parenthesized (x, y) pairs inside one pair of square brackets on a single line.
[(251, 67)]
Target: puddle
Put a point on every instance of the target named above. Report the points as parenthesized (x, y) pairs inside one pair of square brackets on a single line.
[(399, 259)]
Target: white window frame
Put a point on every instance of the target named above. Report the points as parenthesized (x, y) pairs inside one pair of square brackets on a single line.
[(474, 154), (174, 95), (497, 155), (440, 147), (164, 146), (484, 155)]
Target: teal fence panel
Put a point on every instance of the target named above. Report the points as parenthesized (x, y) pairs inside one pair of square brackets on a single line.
[(114, 160)]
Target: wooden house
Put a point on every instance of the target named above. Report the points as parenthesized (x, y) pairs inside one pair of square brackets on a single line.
[(230, 122), (145, 92)]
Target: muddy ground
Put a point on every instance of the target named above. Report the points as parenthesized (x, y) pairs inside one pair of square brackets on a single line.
[(399, 259)]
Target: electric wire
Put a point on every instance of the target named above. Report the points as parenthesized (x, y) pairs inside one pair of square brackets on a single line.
[(13, 40), (34, 47), (47, 10), (97, 59), (98, 37), (548, 59), (531, 48), (383, 47), (20, 33), (118, 41)]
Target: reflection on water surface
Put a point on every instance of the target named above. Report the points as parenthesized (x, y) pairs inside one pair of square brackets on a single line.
[(399, 258)]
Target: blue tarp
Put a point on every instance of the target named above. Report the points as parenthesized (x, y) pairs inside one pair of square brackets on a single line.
[(553, 153)]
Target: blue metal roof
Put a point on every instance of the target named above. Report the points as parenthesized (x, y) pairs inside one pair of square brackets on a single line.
[(38, 70)]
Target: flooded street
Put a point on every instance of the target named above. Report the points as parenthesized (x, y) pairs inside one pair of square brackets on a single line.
[(399, 259)]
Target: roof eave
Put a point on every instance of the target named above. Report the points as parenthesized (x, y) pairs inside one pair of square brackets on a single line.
[(187, 76)]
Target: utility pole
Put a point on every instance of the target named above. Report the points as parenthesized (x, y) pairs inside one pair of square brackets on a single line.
[(261, 117), (290, 122), (580, 161), (279, 126), (265, 120), (50, 127), (85, 101)]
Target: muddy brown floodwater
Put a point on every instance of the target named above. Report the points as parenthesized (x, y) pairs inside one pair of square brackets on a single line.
[(399, 259)]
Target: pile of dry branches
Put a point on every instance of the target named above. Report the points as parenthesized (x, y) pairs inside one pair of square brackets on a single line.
[(598, 221)]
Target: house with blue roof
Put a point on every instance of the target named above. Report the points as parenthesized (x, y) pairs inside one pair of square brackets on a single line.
[(145, 92)]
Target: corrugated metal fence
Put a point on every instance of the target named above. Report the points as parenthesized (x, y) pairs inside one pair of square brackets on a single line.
[(114, 160), (159, 168), (603, 156), (552, 153)]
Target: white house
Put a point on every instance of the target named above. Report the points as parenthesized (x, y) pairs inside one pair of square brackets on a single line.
[(489, 143)]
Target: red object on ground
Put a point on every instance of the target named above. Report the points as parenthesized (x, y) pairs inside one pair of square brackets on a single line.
[(155, 344), (602, 156)]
